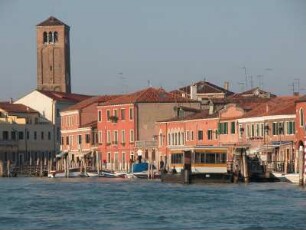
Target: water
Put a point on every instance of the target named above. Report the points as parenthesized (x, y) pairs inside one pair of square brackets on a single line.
[(99, 203)]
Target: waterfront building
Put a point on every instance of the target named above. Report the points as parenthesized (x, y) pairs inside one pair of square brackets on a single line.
[(127, 125), (268, 130), (194, 131), (49, 104), (300, 125), (53, 56), (79, 135), (26, 138)]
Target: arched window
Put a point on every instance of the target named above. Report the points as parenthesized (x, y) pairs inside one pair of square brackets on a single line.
[(50, 40), (301, 117), (45, 37), (55, 37)]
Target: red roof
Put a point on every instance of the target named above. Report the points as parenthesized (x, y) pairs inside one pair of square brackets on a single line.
[(149, 95), (302, 99), (283, 105), (61, 96), (203, 114), (52, 21), (255, 92), (16, 108), (90, 101), (205, 87)]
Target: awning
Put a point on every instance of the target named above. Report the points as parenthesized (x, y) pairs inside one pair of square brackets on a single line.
[(61, 154)]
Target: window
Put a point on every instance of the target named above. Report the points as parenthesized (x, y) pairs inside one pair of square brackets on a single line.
[(290, 127), (131, 135), (109, 157), (200, 135), (87, 138), (35, 135), (223, 128), (67, 140), (115, 113), (13, 135), (5, 135), (108, 137), (49, 135), (79, 139), (45, 37), (192, 137), (301, 117), (99, 115), (28, 135), (209, 134), (177, 158), (42, 135), (122, 136), (100, 137), (123, 160), (233, 127), (131, 114), (50, 38), (62, 141), (187, 135), (108, 115), (160, 138), (122, 114), (240, 131), (55, 37), (115, 137)]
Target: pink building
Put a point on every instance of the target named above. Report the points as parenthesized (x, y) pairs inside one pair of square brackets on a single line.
[(127, 124)]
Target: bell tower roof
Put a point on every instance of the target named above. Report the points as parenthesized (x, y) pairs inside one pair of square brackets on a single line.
[(52, 21)]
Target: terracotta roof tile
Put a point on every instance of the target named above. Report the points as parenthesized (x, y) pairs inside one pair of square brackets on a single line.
[(149, 95), (61, 96), (52, 21), (16, 108), (90, 101), (283, 105)]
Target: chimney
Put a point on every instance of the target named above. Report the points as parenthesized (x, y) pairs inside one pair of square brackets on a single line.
[(226, 85), (193, 92), (211, 108), (11, 100)]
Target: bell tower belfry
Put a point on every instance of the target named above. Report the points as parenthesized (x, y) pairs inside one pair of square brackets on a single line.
[(53, 56)]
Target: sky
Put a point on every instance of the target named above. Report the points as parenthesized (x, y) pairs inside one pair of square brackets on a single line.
[(120, 46)]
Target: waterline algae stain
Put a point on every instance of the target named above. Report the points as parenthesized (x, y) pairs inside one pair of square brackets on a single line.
[(31, 203)]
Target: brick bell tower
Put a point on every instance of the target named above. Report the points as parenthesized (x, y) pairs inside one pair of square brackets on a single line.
[(53, 56)]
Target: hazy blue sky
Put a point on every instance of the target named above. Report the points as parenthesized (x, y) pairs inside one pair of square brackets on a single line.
[(170, 43)]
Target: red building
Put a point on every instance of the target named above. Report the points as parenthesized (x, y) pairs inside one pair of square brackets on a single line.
[(79, 131), (127, 125), (300, 123)]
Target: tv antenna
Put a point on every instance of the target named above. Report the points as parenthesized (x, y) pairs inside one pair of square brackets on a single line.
[(246, 76)]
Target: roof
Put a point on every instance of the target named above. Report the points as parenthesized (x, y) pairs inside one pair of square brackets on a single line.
[(149, 95), (16, 108), (61, 96), (91, 100), (283, 105), (204, 87), (52, 21), (302, 99), (203, 114), (254, 92)]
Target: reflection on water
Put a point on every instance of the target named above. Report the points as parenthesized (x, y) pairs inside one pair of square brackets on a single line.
[(100, 203)]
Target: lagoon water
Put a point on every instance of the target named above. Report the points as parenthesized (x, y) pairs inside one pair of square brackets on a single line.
[(100, 203)]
